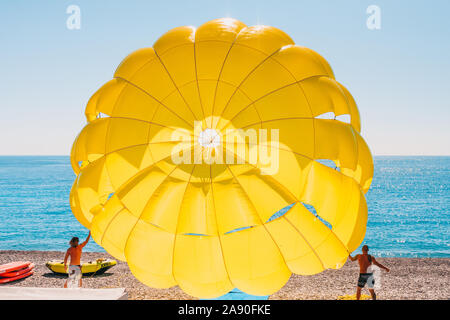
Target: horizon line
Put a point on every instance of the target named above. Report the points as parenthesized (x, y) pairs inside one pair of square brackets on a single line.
[(374, 155)]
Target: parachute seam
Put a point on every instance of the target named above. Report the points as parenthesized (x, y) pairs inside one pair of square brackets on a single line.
[(345, 247), (140, 215), (243, 92), (134, 119), (361, 193), (125, 207), (120, 95), (178, 220), (338, 85), (128, 147), (174, 47), (109, 223), (196, 78), (217, 228), (146, 169), (220, 74), (302, 89), (330, 233), (352, 130), (307, 100), (268, 94), (312, 54), (354, 133), (265, 121), (246, 77), (299, 154), (313, 250), (278, 148), (113, 109), (150, 128), (121, 91), (259, 216), (160, 102), (190, 44), (118, 189), (298, 201), (178, 89), (280, 185), (108, 128)]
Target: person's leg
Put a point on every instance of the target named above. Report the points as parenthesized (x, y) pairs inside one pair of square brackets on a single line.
[(79, 276), (358, 293), (70, 274), (370, 285), (361, 283), (372, 293)]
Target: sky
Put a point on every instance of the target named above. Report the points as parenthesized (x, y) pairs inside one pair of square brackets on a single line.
[(398, 74)]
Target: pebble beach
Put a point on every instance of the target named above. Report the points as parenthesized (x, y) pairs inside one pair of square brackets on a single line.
[(409, 279)]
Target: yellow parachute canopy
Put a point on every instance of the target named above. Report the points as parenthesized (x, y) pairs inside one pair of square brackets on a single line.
[(195, 144)]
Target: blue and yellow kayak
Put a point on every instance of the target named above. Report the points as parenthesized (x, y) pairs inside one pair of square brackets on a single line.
[(95, 267)]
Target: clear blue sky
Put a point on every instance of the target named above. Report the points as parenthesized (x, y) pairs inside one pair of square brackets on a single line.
[(399, 75)]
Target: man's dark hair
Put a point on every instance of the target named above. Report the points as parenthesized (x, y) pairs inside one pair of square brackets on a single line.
[(74, 239), (365, 247)]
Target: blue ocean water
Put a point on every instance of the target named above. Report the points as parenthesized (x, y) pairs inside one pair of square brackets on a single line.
[(409, 204)]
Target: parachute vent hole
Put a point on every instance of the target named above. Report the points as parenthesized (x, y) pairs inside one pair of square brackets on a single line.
[(314, 212), (102, 115), (329, 163), (326, 115), (332, 116), (310, 208), (238, 229), (344, 118), (280, 212), (195, 234), (110, 195)]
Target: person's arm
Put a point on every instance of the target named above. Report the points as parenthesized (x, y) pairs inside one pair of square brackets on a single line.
[(375, 262), (65, 259), (86, 241), (353, 258)]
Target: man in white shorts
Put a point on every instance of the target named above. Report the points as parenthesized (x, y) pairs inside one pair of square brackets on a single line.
[(74, 252)]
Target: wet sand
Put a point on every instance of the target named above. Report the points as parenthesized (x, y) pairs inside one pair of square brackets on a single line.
[(409, 279)]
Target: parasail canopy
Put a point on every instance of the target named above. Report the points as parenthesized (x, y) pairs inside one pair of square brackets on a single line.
[(197, 142)]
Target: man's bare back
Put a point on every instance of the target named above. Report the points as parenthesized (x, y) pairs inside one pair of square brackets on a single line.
[(75, 250), (365, 261), (74, 253)]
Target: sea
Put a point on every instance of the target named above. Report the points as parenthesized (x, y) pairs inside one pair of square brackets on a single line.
[(408, 202)]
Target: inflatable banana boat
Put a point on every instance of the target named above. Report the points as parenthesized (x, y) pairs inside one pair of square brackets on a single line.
[(95, 267)]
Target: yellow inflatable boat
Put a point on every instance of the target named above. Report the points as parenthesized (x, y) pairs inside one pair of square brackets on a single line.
[(95, 267)]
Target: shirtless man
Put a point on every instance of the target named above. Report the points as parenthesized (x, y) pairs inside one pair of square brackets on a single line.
[(365, 260), (74, 252)]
